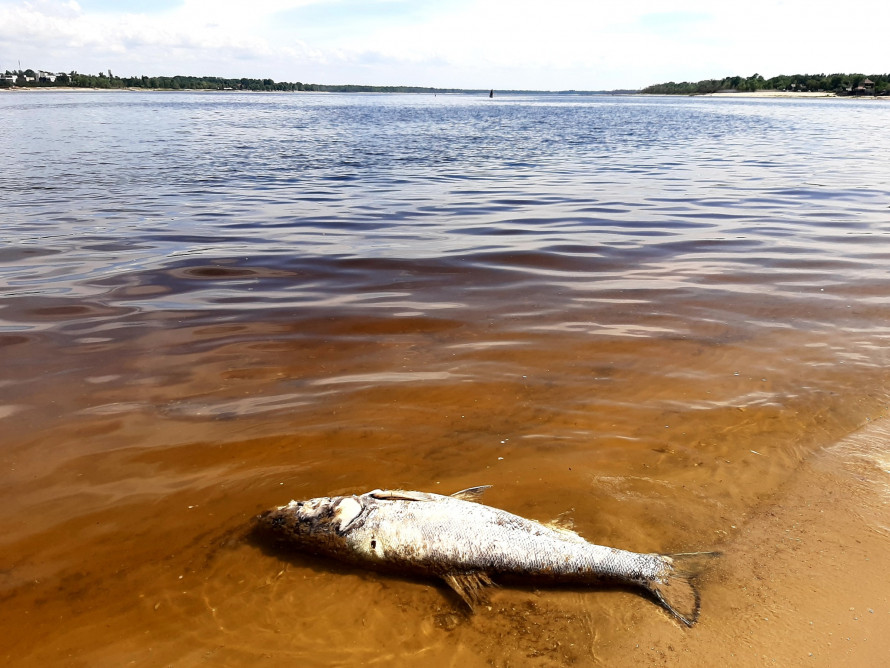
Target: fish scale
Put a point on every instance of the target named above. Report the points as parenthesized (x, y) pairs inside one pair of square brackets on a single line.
[(466, 543), (491, 540)]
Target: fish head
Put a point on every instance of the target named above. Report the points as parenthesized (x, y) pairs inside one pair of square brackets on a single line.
[(318, 525)]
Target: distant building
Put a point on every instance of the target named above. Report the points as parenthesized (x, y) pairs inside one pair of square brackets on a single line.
[(46, 77), (866, 87)]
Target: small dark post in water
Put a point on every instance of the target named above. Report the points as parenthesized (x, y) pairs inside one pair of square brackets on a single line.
[(491, 94)]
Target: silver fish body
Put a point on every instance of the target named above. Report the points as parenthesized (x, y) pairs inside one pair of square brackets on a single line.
[(467, 543)]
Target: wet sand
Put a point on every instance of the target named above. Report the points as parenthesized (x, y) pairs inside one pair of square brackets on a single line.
[(803, 583)]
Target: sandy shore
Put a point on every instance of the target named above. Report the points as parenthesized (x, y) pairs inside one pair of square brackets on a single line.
[(771, 93), (804, 583)]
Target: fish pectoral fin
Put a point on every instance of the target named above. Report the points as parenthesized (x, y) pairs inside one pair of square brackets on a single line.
[(471, 493), (399, 495), (470, 586), (563, 522)]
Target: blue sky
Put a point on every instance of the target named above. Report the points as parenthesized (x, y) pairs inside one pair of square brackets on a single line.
[(531, 44)]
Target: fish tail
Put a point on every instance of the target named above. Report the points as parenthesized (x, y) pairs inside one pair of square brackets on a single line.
[(676, 589)]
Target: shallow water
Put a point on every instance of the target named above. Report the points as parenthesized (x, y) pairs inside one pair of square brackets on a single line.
[(647, 312)]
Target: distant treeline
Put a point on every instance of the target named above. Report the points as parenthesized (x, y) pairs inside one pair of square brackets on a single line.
[(181, 82), (72, 79), (842, 84)]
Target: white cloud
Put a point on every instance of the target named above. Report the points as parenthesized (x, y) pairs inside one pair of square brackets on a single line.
[(464, 43), (189, 39)]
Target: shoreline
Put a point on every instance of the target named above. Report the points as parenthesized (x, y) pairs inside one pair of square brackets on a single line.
[(781, 94), (773, 93)]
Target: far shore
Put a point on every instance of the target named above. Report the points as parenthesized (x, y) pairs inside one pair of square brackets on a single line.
[(49, 89)]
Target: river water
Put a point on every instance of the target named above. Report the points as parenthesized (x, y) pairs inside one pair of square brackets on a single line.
[(647, 312)]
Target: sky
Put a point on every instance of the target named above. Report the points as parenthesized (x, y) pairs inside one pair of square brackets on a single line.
[(515, 44)]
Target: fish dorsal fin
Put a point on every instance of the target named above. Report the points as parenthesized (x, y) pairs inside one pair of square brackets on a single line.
[(471, 493), (469, 586), (399, 495)]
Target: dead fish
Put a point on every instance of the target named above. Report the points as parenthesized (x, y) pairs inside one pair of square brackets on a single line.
[(467, 543)]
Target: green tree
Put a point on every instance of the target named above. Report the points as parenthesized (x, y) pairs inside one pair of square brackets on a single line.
[(754, 82)]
